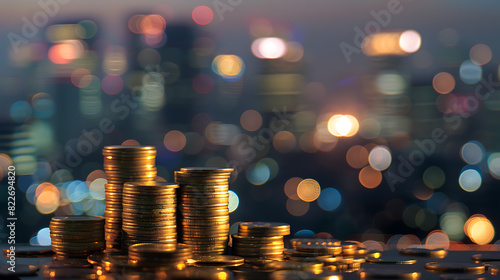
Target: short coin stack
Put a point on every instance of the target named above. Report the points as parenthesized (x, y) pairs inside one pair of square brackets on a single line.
[(149, 213), (203, 208), (123, 164), (159, 255), (76, 236), (260, 240)]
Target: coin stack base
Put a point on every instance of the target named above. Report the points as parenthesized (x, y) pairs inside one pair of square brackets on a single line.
[(260, 240), (159, 255), (76, 236)]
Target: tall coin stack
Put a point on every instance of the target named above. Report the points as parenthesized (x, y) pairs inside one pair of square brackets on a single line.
[(76, 236), (123, 164), (260, 239), (149, 213), (203, 208)]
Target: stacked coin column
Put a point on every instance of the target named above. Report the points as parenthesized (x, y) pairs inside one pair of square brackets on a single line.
[(123, 164), (76, 236), (260, 240), (149, 213), (203, 208)]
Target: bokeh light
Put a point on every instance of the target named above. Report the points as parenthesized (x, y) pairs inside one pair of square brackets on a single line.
[(470, 73), (472, 152), (269, 48), (96, 188), (380, 158), (329, 199), (43, 237), (343, 125), (434, 177), (453, 224), (494, 165), (284, 141), (251, 120), (437, 239), (390, 83), (410, 41), (229, 67), (357, 156), (479, 229), (470, 180), (369, 177), (480, 54), (291, 187), (234, 201), (202, 15), (443, 82), (174, 141), (20, 111), (258, 174), (153, 24), (203, 83), (297, 208), (308, 190)]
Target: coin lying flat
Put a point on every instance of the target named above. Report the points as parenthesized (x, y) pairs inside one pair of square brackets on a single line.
[(451, 267), (216, 260), (391, 260), (423, 252), (487, 256)]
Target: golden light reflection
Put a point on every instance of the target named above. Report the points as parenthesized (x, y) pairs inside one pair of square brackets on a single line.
[(443, 82), (308, 190), (479, 229), (343, 125)]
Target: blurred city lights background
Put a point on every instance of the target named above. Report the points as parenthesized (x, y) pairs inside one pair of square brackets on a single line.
[(359, 120)]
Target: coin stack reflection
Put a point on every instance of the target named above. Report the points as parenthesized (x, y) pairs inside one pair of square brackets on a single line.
[(260, 240), (203, 206), (123, 164), (76, 236), (149, 213)]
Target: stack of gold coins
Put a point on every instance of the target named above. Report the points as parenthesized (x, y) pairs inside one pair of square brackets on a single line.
[(149, 213), (159, 255), (123, 164), (260, 239), (203, 208), (76, 236)]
